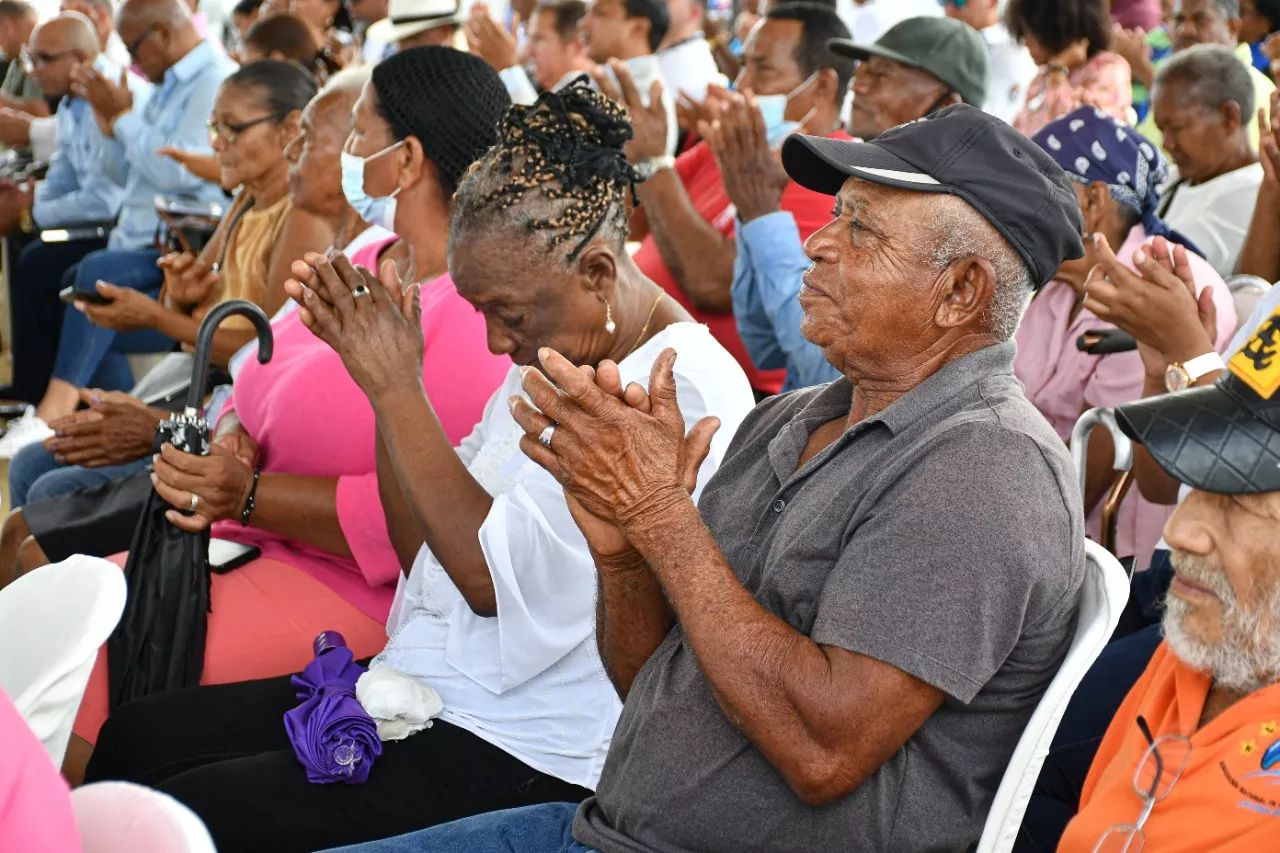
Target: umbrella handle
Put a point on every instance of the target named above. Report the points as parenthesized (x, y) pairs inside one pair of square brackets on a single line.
[(204, 344)]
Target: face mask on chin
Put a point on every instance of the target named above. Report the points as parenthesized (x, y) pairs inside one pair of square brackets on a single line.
[(380, 211)]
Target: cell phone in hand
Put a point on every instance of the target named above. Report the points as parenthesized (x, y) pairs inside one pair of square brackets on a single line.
[(71, 294)]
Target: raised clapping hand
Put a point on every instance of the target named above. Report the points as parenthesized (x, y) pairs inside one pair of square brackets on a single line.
[(108, 99), (378, 333), (622, 455), (488, 40), (648, 123), (1157, 305), (1269, 141), (753, 175)]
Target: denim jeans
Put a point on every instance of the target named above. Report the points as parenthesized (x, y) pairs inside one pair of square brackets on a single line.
[(89, 355), (34, 475), (546, 828)]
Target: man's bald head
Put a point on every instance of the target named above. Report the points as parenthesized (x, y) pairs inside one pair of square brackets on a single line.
[(68, 31), (158, 34), (58, 47)]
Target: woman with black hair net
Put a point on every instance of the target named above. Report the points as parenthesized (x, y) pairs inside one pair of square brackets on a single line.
[(492, 630)]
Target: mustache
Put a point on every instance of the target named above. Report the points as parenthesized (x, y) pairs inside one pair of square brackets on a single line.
[(1198, 570)]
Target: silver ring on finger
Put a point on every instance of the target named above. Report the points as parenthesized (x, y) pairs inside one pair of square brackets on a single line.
[(360, 290), (195, 501), (545, 435)]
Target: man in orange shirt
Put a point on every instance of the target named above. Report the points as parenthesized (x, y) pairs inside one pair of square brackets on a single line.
[(1191, 761)]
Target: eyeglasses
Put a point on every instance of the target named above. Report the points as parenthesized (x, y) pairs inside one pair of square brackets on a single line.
[(137, 43), (1158, 771), (32, 61), (229, 132), (959, 4)]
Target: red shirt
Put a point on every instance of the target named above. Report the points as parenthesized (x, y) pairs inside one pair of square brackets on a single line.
[(700, 175)]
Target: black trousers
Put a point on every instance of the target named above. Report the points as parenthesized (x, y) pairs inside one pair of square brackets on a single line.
[(41, 271), (223, 751)]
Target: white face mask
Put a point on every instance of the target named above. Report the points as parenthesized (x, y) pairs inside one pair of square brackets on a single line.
[(773, 108), (379, 211)]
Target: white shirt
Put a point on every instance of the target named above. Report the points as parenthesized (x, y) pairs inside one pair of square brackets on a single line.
[(1011, 72), (689, 66), (873, 18), (530, 681), (1215, 215), (521, 89)]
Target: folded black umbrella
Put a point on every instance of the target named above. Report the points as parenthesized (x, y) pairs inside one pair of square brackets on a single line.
[(159, 643)]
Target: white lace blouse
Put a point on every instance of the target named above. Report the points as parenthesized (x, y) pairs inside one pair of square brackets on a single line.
[(530, 680)]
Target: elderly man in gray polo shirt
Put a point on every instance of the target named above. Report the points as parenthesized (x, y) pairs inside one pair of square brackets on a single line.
[(838, 649)]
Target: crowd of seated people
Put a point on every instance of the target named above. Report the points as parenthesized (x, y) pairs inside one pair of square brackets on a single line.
[(675, 415)]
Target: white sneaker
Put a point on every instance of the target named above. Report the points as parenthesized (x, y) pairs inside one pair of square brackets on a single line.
[(27, 429)]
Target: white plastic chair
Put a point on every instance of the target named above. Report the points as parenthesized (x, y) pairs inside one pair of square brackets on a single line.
[(52, 622), (121, 817), (1246, 292), (1102, 597)]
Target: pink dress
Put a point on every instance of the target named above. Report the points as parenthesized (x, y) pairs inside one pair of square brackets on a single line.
[(1105, 82), (310, 419), (35, 802), (1061, 381)]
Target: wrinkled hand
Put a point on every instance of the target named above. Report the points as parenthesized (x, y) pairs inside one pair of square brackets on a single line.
[(240, 445), (220, 481), (108, 99), (1158, 305), (115, 429), (187, 280), (488, 40), (15, 128), (752, 173), (1131, 43), (623, 465), (648, 123), (377, 335), (690, 114), (128, 310), (1269, 141)]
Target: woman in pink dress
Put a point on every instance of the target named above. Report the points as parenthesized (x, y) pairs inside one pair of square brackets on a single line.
[(1069, 40), (1115, 172), (299, 436)]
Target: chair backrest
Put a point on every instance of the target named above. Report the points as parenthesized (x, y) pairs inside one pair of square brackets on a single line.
[(121, 817), (1102, 597), (52, 622), (1246, 292)]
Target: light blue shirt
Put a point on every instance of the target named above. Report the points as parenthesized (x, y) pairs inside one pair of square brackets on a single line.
[(175, 114), (766, 288), (76, 188)]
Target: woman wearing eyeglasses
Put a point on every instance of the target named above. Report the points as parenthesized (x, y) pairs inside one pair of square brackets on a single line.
[(254, 117)]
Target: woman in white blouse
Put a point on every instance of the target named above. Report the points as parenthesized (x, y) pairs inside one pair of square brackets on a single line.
[(497, 614)]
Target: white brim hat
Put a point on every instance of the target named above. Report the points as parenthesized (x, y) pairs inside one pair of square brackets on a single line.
[(410, 17)]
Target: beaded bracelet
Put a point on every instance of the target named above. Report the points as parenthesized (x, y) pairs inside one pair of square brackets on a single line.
[(253, 493)]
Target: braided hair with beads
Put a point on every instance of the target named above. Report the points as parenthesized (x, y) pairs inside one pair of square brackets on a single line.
[(559, 167)]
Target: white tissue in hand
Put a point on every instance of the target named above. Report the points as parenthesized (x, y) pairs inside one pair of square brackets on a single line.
[(400, 704)]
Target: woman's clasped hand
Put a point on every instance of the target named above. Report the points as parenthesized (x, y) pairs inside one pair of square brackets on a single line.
[(374, 323)]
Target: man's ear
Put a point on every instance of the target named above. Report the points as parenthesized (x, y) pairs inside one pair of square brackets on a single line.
[(967, 287)]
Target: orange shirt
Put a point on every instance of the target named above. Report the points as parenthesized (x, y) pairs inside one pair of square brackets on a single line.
[(1227, 800), (700, 175)]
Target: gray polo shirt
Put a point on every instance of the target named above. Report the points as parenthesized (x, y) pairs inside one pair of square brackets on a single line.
[(944, 537)]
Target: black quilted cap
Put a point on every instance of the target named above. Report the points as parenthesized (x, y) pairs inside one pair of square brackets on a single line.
[(1224, 438)]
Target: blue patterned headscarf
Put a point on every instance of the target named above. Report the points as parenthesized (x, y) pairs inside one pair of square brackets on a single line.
[(1092, 146)]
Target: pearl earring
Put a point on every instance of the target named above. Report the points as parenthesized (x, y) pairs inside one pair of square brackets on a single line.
[(609, 325)]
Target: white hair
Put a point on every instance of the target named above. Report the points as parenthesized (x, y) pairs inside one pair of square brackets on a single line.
[(1246, 657), (961, 232)]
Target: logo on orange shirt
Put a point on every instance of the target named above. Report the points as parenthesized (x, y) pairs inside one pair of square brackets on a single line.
[(1257, 787)]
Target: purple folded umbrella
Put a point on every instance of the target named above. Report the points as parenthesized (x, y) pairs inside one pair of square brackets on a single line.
[(331, 734)]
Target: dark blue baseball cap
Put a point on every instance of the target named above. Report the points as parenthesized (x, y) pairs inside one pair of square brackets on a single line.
[(1008, 179)]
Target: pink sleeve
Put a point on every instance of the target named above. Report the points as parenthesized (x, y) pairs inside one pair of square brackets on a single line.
[(365, 527), (458, 371), (1117, 379), (35, 803)]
